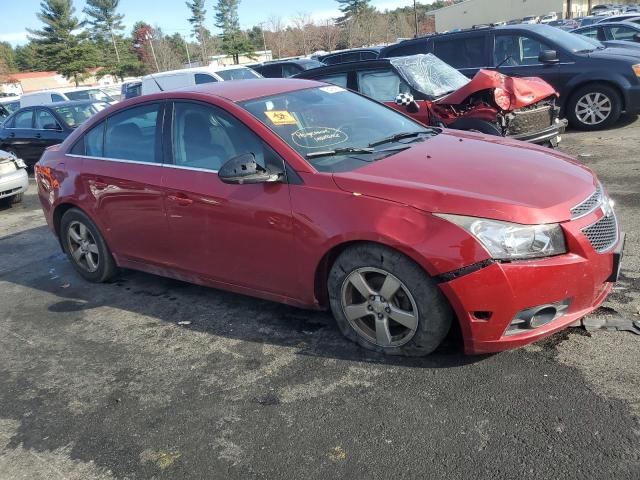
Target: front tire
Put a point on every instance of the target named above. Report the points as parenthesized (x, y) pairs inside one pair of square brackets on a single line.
[(385, 302), (85, 247), (594, 107)]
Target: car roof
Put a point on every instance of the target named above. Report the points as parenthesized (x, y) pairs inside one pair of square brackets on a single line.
[(350, 50), (242, 90), (617, 24)]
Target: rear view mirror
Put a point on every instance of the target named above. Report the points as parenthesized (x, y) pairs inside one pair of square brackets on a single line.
[(548, 57), (406, 100), (245, 169)]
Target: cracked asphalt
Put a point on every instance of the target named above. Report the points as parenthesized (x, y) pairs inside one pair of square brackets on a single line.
[(101, 382)]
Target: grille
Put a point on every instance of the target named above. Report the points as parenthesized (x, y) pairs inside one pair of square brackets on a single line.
[(532, 120), (589, 205), (603, 234)]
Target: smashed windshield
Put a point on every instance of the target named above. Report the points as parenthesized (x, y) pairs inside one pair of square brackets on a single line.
[(336, 130), (429, 75)]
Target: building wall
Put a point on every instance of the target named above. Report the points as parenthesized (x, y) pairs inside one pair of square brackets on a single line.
[(474, 12)]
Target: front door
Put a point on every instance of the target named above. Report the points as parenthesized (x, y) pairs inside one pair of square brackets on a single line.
[(21, 135), (236, 234)]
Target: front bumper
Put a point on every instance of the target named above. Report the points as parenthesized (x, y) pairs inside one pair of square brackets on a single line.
[(14, 183), (487, 300), (550, 134)]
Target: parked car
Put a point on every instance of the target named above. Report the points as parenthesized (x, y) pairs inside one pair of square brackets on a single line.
[(13, 178), (590, 20), (626, 17), (624, 31), (131, 89), (435, 93), (28, 131), (399, 228), (531, 19), (550, 17), (604, 9), (286, 68), (566, 24), (46, 97), (188, 77), (353, 55), (11, 104), (595, 84)]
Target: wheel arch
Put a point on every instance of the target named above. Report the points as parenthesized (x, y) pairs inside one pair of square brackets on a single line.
[(583, 82)]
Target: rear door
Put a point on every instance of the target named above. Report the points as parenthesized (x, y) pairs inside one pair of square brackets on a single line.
[(236, 234), (122, 171)]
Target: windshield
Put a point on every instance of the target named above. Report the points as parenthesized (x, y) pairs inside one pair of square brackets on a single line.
[(238, 74), (569, 41), (429, 75), (74, 115), (329, 119), (11, 106), (92, 94)]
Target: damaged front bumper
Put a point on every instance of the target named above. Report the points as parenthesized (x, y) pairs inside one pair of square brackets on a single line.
[(550, 135)]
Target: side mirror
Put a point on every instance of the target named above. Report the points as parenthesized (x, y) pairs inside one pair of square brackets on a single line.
[(406, 100), (548, 57), (52, 126), (244, 169), (636, 37)]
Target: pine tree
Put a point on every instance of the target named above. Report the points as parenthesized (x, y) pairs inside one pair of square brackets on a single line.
[(105, 23), (57, 46), (352, 9), (198, 20), (234, 42)]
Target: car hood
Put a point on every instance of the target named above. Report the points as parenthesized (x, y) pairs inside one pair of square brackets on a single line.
[(627, 53), (471, 174), (521, 91)]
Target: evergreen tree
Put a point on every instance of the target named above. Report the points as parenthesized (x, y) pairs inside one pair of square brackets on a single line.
[(234, 42), (57, 45), (7, 56), (197, 21), (352, 9), (105, 23)]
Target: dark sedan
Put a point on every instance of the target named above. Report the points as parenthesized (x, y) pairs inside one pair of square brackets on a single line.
[(286, 68), (28, 131)]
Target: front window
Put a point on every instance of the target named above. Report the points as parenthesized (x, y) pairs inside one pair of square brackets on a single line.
[(322, 124), (238, 74), (429, 75), (91, 94), (74, 115), (516, 50)]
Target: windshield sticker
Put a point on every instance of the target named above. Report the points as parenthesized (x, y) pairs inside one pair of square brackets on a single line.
[(318, 137), (332, 89), (280, 117)]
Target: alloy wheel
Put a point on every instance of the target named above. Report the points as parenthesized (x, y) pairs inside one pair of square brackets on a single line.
[(83, 246), (379, 307), (593, 108)]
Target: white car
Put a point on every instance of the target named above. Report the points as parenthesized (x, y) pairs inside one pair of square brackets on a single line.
[(45, 97), (550, 17), (14, 180), (531, 19), (188, 77)]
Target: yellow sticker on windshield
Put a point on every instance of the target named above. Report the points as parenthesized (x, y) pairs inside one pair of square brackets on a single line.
[(280, 117)]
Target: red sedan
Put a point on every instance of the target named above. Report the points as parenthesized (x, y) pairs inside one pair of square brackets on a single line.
[(307, 194)]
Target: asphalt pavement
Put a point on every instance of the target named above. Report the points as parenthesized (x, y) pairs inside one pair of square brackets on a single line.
[(153, 378)]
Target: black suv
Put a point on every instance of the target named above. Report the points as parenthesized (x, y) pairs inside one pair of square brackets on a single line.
[(285, 68), (595, 83), (353, 55)]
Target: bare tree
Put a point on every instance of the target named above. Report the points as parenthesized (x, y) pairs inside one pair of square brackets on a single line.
[(277, 35), (302, 23)]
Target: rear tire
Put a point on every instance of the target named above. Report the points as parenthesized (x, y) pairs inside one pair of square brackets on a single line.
[(403, 312), (85, 247), (594, 107)]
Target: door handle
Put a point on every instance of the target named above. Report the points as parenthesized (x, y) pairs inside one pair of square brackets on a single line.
[(180, 199), (12, 134), (38, 135)]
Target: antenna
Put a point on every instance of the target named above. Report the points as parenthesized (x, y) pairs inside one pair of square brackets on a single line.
[(154, 79)]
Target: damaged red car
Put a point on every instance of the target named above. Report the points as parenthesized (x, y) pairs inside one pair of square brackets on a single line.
[(436, 94)]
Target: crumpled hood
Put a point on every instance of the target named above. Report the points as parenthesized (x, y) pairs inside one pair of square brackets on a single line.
[(471, 174), (522, 91)]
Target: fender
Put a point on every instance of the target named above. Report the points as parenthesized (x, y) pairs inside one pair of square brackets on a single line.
[(616, 79)]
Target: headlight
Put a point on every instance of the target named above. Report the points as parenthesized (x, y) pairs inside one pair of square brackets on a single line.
[(636, 69), (512, 241)]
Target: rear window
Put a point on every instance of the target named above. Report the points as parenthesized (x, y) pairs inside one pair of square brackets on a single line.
[(463, 52)]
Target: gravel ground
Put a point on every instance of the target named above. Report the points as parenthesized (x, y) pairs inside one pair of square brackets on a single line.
[(100, 381)]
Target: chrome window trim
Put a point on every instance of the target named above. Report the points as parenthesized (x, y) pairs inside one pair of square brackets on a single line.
[(137, 162)]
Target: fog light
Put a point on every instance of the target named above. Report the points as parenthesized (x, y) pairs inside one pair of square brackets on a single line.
[(536, 317)]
